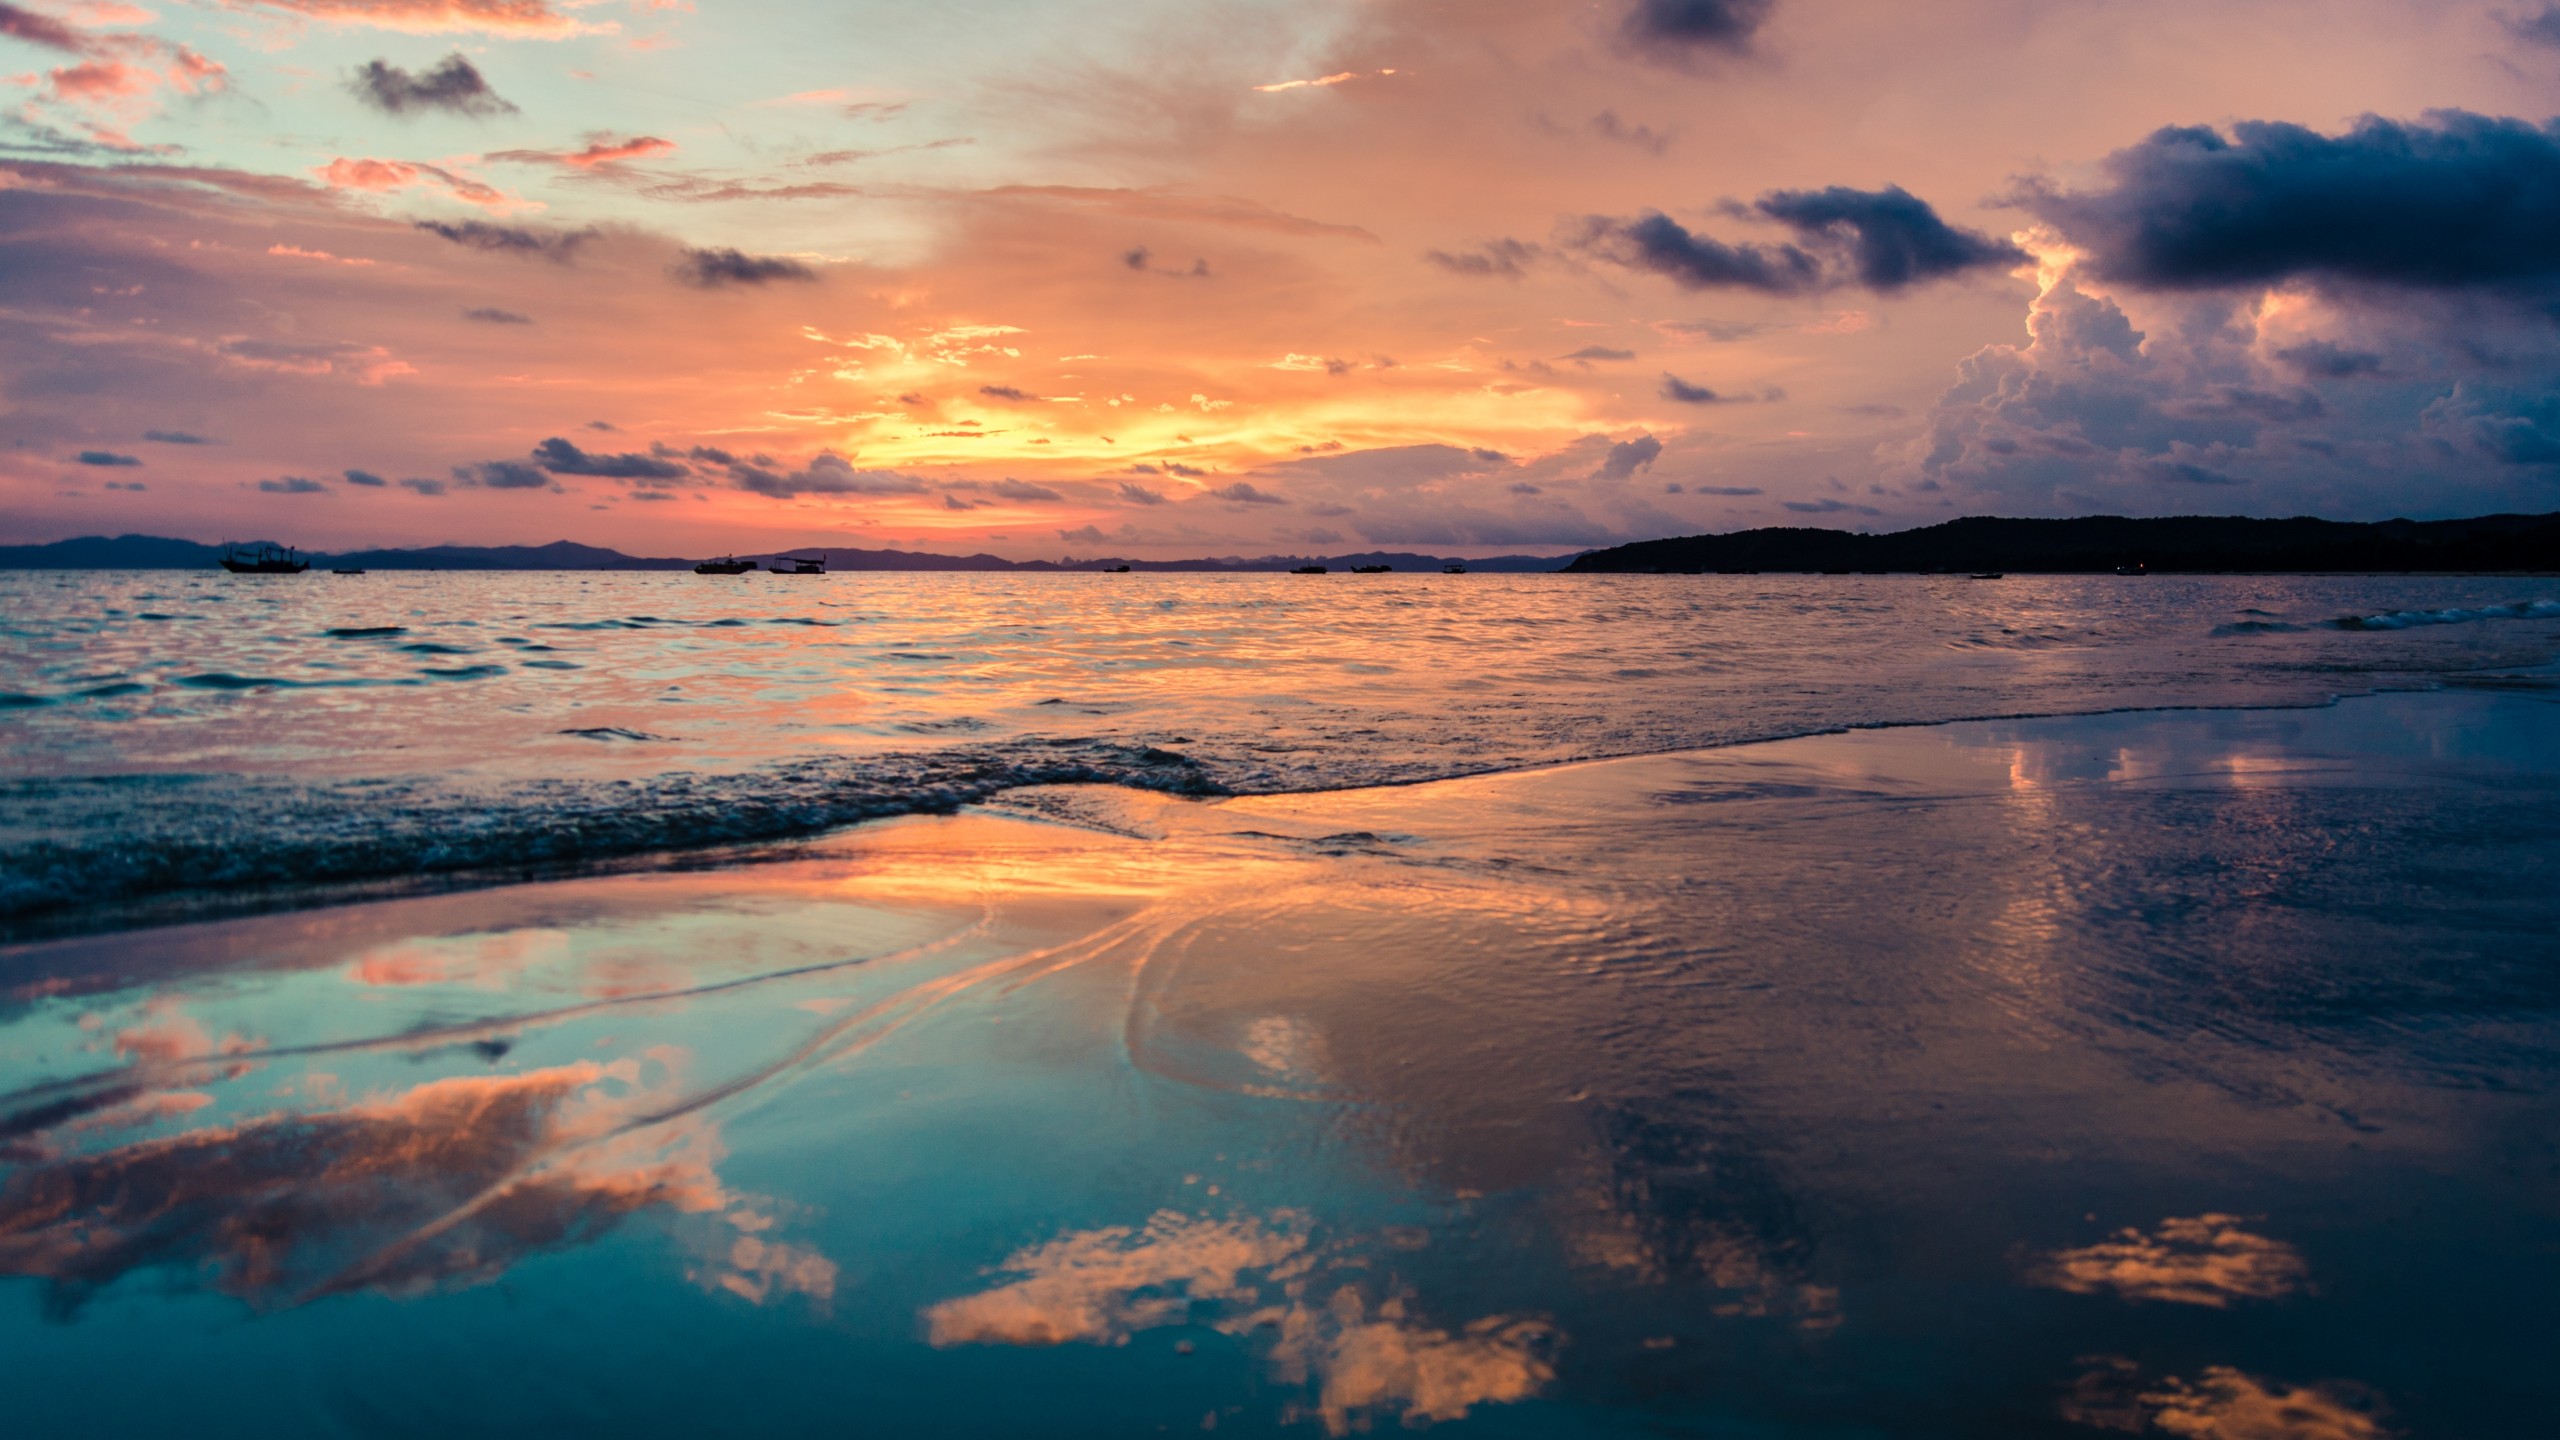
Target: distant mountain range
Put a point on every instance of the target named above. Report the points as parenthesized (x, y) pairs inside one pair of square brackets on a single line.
[(2103, 543), (154, 552)]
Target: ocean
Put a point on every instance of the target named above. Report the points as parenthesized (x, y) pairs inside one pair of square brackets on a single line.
[(180, 740), (540, 1005)]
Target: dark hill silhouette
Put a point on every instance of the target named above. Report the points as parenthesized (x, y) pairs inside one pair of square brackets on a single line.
[(154, 552), (2102, 543)]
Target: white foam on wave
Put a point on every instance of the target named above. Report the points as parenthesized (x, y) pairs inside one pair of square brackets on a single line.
[(2411, 619)]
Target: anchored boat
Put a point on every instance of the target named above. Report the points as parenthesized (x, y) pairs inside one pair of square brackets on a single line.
[(799, 565), (725, 565), (262, 559)]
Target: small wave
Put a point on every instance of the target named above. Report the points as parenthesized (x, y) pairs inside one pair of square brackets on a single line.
[(2411, 619), (613, 732), (430, 647), (2256, 627), (81, 852), (363, 632), (467, 672), (12, 700)]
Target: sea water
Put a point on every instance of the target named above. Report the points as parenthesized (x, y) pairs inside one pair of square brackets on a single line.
[(191, 738)]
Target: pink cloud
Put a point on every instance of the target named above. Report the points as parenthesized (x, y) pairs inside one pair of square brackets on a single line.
[(384, 176), (524, 19)]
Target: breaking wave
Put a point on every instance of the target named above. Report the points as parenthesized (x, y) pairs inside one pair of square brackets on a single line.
[(2410, 619)]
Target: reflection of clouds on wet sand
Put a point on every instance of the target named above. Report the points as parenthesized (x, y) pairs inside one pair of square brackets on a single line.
[(2194, 1260), (2223, 1404), (482, 961), (449, 1182), (1099, 1286)]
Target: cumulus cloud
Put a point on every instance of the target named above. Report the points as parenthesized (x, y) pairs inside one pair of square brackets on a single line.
[(492, 315), (1676, 389), (558, 246), (1504, 259), (424, 487), (291, 485), (827, 474), (1627, 457), (718, 268), (174, 437), (560, 457), (503, 475), (453, 85), (1682, 31), (1243, 493), (365, 478), (1139, 494), (105, 458), (1012, 489), (1884, 240), (382, 176), (2456, 200), (1006, 392)]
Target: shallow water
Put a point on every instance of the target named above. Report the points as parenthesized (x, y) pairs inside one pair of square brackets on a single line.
[(190, 738), (2174, 1073)]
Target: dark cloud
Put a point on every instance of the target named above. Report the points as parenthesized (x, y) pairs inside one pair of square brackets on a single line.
[(712, 453), (452, 86), (559, 246), (1012, 489), (1724, 490), (1244, 494), (1829, 507), (1885, 240), (1655, 242), (106, 457), (291, 485), (1675, 388), (1892, 237), (2496, 423), (502, 475), (365, 478), (1187, 472), (174, 437), (1627, 457), (1608, 126), (2541, 27), (424, 487), (716, 268), (42, 30), (563, 458), (1137, 259), (134, 485), (828, 474), (1505, 259), (2455, 201), (1680, 31), (1139, 494), (492, 315), (2330, 360), (1599, 352), (1523, 487), (1005, 392)]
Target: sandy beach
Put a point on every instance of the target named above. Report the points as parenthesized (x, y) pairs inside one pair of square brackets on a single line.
[(2163, 1068)]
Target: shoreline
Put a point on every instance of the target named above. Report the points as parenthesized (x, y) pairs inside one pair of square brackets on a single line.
[(162, 909)]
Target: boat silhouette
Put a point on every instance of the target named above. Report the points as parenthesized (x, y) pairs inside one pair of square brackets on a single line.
[(262, 559), (800, 565), (725, 565), (1308, 570)]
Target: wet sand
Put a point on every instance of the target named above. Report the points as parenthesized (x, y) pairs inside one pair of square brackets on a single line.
[(2183, 1073)]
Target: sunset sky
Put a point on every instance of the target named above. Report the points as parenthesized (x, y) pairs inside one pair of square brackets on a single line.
[(1162, 278)]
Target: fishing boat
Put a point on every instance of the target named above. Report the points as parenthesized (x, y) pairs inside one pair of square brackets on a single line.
[(2136, 568), (1371, 569), (1115, 569), (1308, 570), (262, 559), (1987, 575), (799, 565), (1453, 569), (725, 565)]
